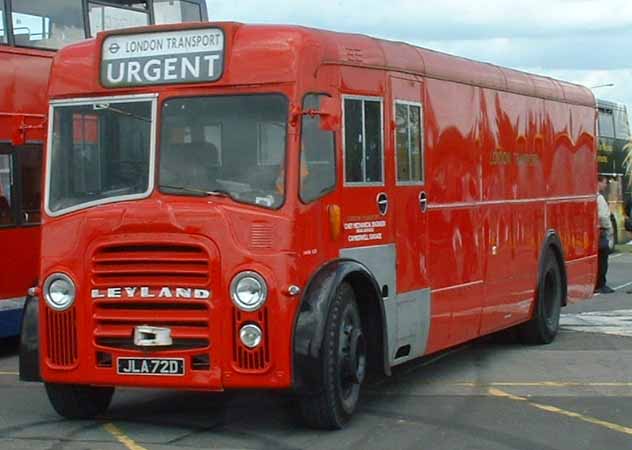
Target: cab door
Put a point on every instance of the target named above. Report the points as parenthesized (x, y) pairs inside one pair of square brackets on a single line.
[(365, 197), (406, 139), (20, 195)]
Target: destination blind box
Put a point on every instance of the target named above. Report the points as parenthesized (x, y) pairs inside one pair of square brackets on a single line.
[(168, 57)]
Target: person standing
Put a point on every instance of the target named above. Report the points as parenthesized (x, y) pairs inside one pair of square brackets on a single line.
[(605, 237)]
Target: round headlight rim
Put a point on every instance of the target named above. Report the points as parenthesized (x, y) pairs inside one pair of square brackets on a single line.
[(257, 329), (233, 290), (49, 281)]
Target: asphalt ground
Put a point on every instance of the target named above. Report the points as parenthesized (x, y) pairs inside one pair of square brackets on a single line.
[(493, 394)]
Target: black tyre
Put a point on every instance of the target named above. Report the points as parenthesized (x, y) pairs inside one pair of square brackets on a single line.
[(344, 365), (79, 402), (545, 324)]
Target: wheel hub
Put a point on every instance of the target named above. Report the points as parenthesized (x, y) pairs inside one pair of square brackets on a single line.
[(354, 365)]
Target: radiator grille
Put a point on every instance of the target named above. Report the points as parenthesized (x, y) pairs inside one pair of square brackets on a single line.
[(151, 265), (61, 337), (115, 322), (246, 359)]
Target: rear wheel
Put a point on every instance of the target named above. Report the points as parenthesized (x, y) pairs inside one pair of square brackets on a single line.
[(545, 324), (344, 365), (79, 402)]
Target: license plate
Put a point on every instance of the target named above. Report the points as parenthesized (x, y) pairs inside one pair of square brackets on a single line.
[(150, 366)]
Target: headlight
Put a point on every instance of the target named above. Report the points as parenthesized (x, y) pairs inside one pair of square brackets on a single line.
[(248, 291), (59, 291), (250, 335)]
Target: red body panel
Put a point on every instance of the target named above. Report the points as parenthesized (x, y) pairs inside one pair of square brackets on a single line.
[(508, 156), (23, 106)]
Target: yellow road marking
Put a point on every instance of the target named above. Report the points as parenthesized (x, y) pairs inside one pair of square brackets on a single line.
[(8, 373), (546, 384), (122, 438), (563, 412)]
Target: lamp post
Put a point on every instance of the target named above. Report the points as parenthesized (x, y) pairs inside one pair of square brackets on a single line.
[(601, 85)]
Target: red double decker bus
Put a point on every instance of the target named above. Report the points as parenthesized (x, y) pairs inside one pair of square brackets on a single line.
[(30, 33), (288, 208)]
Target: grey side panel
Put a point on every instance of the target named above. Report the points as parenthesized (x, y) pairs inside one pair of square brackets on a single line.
[(413, 324), (407, 314)]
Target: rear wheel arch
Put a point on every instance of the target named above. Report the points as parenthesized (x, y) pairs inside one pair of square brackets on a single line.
[(550, 295), (553, 243)]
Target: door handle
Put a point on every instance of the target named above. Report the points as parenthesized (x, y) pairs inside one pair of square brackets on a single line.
[(423, 201), (382, 203)]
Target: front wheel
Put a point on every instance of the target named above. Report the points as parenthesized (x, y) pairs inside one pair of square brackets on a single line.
[(344, 365), (545, 324), (79, 402)]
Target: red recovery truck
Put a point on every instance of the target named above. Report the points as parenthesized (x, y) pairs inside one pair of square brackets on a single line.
[(30, 33), (288, 208)]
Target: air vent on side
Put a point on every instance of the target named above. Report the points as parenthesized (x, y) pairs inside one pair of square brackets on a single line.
[(61, 327)]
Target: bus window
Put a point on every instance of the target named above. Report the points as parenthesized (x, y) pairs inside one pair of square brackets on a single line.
[(248, 163), (99, 153), (3, 35), (109, 17), (30, 167), (606, 123), (42, 25), (176, 11), (363, 140), (318, 163), (621, 125), (409, 142), (6, 184), (271, 143), (213, 135)]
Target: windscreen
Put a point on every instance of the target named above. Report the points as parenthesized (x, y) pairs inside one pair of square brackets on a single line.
[(176, 11), (113, 17), (49, 25), (606, 123), (100, 153), (3, 34), (621, 125), (229, 145), (6, 188)]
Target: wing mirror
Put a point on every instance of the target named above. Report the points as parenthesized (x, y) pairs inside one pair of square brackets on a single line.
[(329, 114)]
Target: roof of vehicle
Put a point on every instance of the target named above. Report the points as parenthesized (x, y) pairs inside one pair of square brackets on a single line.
[(275, 53), (609, 104)]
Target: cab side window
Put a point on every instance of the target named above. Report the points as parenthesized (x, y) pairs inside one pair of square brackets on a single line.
[(30, 168), (318, 155), (3, 33), (363, 140), (7, 210), (409, 143)]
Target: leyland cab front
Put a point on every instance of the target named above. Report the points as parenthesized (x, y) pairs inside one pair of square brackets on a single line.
[(185, 168)]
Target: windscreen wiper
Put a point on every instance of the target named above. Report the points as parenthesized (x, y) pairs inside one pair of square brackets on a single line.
[(198, 192), (108, 107)]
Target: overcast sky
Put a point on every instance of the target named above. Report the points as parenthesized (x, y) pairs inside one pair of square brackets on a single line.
[(583, 41)]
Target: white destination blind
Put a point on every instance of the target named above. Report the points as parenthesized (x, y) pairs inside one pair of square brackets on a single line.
[(187, 56)]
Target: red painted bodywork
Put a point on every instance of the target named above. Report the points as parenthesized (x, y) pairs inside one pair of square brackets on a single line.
[(23, 106), (477, 247)]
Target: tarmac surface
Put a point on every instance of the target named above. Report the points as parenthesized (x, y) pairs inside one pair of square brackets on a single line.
[(493, 394)]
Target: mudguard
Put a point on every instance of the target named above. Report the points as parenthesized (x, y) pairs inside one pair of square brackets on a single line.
[(29, 341), (312, 317)]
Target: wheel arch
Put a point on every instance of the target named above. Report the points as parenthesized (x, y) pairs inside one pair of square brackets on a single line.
[(311, 319)]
